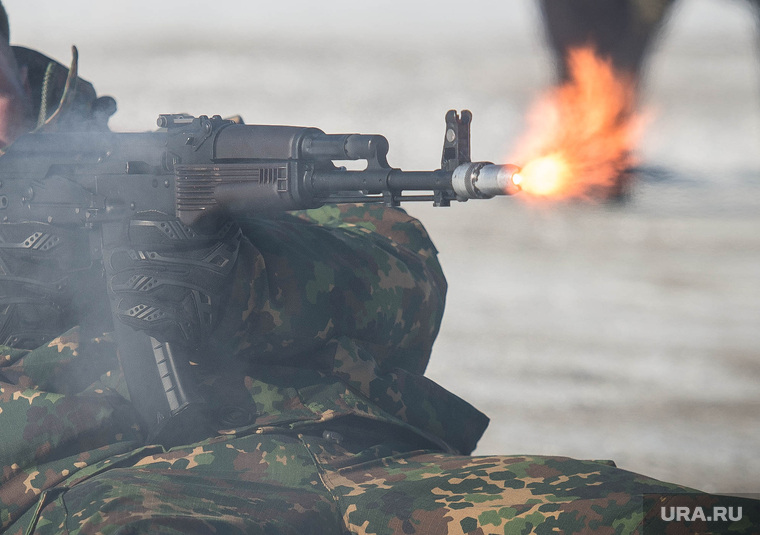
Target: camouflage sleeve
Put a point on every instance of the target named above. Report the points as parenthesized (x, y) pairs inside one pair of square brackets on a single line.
[(366, 272), (303, 281), (61, 409)]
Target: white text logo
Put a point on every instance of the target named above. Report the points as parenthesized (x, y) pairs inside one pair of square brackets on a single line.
[(717, 514)]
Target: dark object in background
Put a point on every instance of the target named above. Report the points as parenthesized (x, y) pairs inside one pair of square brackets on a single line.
[(622, 30)]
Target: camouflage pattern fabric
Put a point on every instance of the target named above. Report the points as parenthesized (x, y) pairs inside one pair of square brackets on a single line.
[(326, 422), (304, 483)]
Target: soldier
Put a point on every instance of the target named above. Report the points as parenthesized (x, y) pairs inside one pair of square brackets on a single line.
[(15, 98), (314, 369)]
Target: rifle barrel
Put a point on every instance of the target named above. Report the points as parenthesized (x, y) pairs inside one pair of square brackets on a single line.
[(473, 180)]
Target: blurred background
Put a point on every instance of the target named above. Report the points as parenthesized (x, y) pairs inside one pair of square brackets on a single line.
[(627, 332)]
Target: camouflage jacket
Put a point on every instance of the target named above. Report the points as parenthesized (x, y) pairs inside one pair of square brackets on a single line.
[(333, 313)]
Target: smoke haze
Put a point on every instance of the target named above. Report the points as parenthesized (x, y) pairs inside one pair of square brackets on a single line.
[(626, 332)]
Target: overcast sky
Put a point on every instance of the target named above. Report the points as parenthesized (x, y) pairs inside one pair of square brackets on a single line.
[(48, 22), (53, 25)]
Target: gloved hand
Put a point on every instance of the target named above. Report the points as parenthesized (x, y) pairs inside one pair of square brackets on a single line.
[(39, 267), (170, 281)]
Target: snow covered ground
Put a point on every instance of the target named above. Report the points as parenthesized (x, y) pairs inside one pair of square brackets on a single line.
[(629, 332)]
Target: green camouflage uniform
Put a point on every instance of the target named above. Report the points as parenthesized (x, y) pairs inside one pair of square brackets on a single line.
[(325, 339), (328, 332)]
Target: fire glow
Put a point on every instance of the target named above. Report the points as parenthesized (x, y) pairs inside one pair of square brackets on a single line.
[(580, 135)]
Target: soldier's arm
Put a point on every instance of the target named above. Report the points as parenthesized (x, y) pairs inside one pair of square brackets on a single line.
[(367, 272)]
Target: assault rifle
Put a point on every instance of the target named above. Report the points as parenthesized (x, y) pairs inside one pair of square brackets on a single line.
[(191, 169)]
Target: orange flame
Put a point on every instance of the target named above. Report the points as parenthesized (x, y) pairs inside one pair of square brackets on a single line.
[(581, 134)]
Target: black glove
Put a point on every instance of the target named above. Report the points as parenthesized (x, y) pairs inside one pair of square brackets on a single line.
[(40, 266), (170, 281)]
